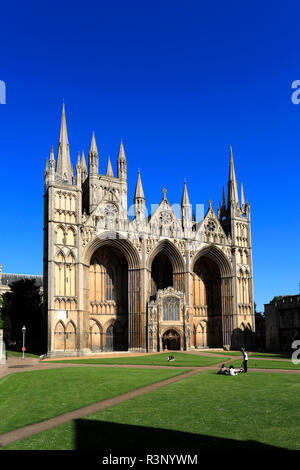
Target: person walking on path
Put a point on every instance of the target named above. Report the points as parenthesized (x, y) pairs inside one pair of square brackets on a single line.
[(245, 359)]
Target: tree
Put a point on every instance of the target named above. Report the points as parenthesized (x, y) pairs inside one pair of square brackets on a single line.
[(260, 329), (22, 306)]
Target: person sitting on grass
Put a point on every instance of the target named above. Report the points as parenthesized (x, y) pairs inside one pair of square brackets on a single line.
[(171, 358), (223, 370), (233, 371)]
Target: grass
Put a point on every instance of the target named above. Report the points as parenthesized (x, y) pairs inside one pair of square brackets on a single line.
[(181, 360), (266, 364), (20, 354), (257, 411), (31, 397)]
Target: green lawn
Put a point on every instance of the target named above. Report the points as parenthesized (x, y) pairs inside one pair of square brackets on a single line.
[(30, 397), (266, 364), (20, 354), (181, 360), (254, 411)]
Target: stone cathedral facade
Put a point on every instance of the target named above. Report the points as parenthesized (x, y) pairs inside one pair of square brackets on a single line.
[(146, 282)]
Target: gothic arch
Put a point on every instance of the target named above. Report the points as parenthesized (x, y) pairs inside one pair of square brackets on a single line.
[(218, 301), (59, 336), (175, 328), (217, 256), (96, 333), (168, 249), (60, 234), (70, 236), (71, 334), (113, 239), (135, 318), (171, 251)]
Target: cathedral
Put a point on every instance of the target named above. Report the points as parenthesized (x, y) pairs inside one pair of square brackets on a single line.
[(143, 283)]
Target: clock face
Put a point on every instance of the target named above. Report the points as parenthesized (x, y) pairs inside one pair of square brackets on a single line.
[(165, 218), (211, 226), (110, 211)]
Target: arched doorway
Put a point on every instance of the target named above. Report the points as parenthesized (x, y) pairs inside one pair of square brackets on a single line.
[(206, 301), (161, 274), (108, 294), (110, 344), (95, 336), (171, 340)]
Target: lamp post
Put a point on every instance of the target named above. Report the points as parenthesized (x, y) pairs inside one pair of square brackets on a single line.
[(23, 348)]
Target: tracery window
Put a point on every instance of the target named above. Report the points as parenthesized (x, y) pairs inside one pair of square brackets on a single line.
[(171, 309), (109, 285)]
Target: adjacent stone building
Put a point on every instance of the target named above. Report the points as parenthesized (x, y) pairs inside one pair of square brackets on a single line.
[(141, 283), (282, 322), (7, 278)]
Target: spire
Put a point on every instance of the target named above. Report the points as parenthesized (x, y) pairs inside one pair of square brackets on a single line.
[(83, 162), (121, 155), (139, 193), (78, 164), (242, 195), (185, 198), (63, 163), (84, 170), (93, 157), (109, 171), (78, 171), (46, 167), (185, 208), (51, 164), (122, 163), (223, 198), (93, 147), (233, 197)]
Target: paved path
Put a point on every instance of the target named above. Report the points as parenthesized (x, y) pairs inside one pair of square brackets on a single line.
[(14, 364)]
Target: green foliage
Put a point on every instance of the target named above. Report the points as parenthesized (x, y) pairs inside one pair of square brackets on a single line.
[(22, 306), (277, 298)]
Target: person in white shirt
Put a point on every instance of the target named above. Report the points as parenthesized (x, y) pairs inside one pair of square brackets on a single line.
[(232, 371), (245, 359)]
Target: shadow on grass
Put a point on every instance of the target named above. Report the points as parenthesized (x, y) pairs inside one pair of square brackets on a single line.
[(101, 435)]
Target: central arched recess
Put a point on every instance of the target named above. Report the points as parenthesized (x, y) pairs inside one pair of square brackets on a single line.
[(166, 268), (206, 301), (108, 296), (161, 274)]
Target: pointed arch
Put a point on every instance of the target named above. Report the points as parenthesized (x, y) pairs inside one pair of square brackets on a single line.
[(59, 336), (168, 249), (217, 256), (70, 236), (60, 235), (95, 333), (70, 336), (116, 240), (211, 294)]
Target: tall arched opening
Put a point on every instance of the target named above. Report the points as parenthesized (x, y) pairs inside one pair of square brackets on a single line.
[(206, 301), (108, 295), (161, 274)]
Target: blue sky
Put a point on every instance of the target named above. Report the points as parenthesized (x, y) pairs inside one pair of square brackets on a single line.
[(180, 82)]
